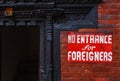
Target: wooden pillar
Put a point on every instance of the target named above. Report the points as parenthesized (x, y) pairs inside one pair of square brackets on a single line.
[(46, 51)]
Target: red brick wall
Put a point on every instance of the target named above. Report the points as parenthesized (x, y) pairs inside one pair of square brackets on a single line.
[(109, 20)]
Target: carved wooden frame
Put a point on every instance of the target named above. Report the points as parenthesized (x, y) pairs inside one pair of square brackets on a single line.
[(90, 21), (69, 17)]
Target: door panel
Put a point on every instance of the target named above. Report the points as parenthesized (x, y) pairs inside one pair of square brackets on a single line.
[(20, 53)]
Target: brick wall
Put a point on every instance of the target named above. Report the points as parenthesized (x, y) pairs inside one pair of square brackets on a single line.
[(109, 20)]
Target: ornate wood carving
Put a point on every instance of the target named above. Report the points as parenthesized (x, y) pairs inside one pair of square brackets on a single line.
[(51, 16)]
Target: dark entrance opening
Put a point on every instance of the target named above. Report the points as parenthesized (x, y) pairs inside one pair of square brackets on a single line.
[(20, 53)]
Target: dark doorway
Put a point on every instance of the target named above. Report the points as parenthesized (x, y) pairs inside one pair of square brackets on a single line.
[(20, 53)]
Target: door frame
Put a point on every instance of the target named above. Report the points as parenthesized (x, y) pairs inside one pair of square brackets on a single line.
[(52, 18), (58, 27)]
